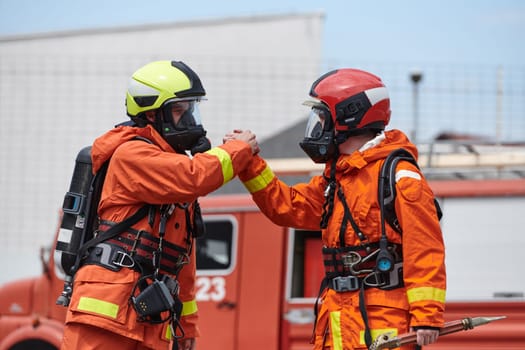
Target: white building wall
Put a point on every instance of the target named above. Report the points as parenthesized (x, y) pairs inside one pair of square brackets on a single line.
[(59, 91)]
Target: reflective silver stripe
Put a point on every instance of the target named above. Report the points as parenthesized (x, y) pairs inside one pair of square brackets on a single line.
[(376, 94), (407, 173)]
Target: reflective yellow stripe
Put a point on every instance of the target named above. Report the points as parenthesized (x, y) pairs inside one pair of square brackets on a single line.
[(189, 307), (335, 329), (226, 162), (426, 293), (167, 335), (97, 306), (377, 332), (261, 181)]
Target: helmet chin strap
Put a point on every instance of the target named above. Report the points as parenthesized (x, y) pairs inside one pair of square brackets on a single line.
[(158, 121), (341, 137)]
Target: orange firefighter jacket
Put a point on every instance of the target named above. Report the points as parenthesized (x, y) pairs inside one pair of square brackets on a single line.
[(421, 301), (139, 173)]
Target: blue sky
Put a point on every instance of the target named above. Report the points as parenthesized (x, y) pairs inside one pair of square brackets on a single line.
[(437, 31)]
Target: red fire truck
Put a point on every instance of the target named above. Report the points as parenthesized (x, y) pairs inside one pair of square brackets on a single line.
[(257, 282)]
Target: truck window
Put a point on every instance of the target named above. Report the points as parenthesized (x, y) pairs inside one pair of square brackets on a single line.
[(215, 250), (306, 265)]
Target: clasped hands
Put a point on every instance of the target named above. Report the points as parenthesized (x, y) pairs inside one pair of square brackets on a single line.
[(243, 135)]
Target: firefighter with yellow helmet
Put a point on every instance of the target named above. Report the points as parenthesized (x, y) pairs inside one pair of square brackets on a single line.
[(136, 290), (378, 277)]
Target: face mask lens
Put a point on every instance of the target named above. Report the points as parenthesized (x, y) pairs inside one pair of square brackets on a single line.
[(185, 114), (179, 108), (315, 125), (196, 113), (318, 142)]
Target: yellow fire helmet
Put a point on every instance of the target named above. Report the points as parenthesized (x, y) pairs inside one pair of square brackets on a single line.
[(158, 82), (172, 90)]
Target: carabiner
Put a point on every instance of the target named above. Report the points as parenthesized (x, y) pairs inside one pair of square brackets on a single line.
[(121, 256), (361, 261)]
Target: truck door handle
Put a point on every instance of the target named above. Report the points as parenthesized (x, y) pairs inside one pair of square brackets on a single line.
[(300, 316), (225, 304)]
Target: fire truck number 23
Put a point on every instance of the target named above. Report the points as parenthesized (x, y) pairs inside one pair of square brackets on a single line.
[(210, 288)]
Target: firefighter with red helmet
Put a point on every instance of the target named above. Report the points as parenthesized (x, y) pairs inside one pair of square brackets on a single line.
[(136, 290), (378, 277)]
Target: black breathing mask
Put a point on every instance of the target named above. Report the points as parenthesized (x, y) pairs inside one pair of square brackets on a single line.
[(181, 127), (319, 141)]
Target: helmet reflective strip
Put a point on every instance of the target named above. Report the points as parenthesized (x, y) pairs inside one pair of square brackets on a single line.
[(376, 94), (226, 162), (137, 88), (98, 306), (407, 173)]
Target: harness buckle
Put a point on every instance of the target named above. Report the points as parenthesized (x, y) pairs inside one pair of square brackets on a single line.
[(344, 283), (386, 280), (375, 279), (120, 258)]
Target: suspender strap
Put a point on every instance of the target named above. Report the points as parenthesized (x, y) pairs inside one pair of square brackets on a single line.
[(347, 217), (364, 315)]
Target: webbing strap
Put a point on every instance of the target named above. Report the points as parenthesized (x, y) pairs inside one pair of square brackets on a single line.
[(111, 233), (364, 315), (348, 217)]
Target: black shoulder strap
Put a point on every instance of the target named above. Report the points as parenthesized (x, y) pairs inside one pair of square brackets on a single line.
[(93, 197), (91, 217), (387, 182), (347, 216), (387, 185)]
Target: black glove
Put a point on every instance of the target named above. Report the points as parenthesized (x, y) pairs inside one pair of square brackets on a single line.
[(202, 145)]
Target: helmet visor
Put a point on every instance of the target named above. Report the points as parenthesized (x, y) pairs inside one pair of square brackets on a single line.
[(183, 114), (316, 123)]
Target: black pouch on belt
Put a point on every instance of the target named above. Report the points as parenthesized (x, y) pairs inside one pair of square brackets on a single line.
[(157, 297)]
